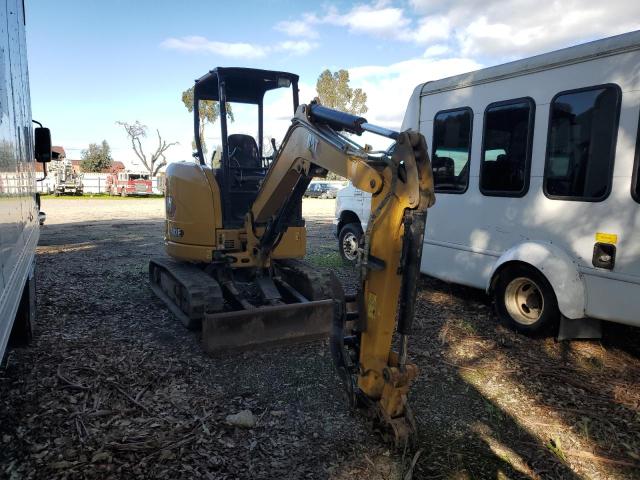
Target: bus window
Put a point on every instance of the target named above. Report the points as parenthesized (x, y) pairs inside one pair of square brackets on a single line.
[(581, 144), (635, 182), (506, 148), (451, 150)]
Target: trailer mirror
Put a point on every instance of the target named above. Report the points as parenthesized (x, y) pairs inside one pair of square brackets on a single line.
[(42, 144)]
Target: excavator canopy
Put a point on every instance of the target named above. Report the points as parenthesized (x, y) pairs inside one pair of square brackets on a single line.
[(242, 164), (243, 85)]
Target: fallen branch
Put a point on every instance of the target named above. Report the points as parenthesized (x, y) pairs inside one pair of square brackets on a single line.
[(409, 474), (190, 437), (69, 383), (131, 399)]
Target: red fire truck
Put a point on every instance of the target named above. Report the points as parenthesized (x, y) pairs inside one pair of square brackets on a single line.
[(129, 183)]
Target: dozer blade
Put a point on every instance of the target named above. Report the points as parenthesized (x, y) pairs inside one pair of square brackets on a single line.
[(267, 325)]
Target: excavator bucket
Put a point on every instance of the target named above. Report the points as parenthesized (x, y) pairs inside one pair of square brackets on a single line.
[(296, 304)]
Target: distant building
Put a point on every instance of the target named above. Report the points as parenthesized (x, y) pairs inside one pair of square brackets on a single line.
[(116, 167), (59, 154)]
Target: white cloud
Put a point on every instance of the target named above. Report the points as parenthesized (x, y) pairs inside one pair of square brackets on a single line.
[(492, 29), (429, 29), (377, 19), (297, 28), (389, 87), (520, 28), (436, 50), (202, 44), (237, 50), (301, 47)]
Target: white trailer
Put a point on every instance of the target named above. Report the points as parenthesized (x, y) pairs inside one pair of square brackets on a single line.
[(537, 184), (19, 228)]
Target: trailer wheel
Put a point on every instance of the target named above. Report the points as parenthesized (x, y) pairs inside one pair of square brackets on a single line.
[(525, 300), (349, 241)]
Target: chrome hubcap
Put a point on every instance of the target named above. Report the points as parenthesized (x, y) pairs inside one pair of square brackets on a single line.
[(350, 247), (524, 301)]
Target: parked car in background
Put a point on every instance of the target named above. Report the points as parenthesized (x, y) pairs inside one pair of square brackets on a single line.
[(129, 183), (353, 207), (537, 176), (321, 190)]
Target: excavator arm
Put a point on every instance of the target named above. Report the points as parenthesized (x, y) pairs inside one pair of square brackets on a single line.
[(402, 189)]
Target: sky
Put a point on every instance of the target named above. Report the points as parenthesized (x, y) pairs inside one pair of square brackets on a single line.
[(93, 63)]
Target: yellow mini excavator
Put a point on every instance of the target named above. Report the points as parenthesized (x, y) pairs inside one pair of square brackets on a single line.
[(235, 238)]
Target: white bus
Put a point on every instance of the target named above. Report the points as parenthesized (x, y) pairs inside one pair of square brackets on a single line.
[(19, 206), (537, 187)]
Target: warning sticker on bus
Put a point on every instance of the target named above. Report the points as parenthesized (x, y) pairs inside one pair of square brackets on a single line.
[(602, 237)]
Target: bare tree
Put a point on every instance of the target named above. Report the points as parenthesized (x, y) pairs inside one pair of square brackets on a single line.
[(156, 160)]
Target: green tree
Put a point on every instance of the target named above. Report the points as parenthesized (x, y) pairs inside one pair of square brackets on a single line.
[(334, 92), (96, 158), (208, 111)]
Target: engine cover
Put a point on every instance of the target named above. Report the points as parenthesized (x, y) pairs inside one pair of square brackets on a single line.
[(193, 212)]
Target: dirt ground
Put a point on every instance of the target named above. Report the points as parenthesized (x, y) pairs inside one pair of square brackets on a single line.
[(113, 387)]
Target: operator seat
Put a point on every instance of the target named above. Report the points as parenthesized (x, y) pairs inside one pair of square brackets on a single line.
[(245, 175), (243, 151)]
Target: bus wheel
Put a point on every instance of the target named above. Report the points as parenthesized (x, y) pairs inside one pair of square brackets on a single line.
[(349, 241), (22, 331), (525, 300)]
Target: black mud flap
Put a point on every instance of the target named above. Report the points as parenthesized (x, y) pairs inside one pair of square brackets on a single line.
[(289, 323)]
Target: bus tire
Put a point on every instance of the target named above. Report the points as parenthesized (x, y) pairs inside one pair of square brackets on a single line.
[(22, 330), (348, 242), (525, 300)]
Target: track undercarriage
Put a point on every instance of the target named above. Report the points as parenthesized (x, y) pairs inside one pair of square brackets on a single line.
[(241, 308), (292, 302)]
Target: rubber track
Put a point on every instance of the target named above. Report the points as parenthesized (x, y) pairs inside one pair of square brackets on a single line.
[(204, 295), (308, 280)]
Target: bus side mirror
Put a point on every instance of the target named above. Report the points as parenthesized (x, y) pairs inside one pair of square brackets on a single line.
[(42, 144)]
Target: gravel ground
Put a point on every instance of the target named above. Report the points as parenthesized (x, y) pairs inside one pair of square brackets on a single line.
[(113, 387)]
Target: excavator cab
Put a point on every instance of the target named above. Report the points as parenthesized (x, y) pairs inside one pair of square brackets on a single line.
[(243, 164)]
